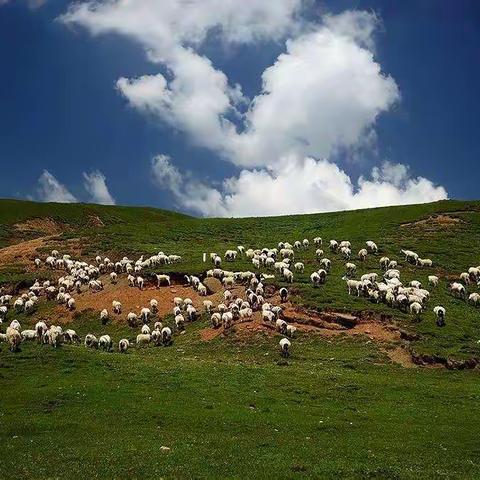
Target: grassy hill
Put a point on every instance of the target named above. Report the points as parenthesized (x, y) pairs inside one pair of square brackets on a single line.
[(231, 408)]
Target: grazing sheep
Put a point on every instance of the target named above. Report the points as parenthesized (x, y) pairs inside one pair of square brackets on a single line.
[(424, 262), (117, 307), (143, 339), (440, 312), (145, 329), (18, 304), (123, 345), (132, 319), (474, 298), (91, 341), (180, 322), (3, 313), (216, 320), (166, 336), (317, 240), (28, 335), (326, 264), (15, 324), (384, 261), (227, 320), (178, 302), (14, 339), (458, 290), (433, 280), (145, 314), (157, 326), (268, 316), (208, 305), (315, 279), (351, 268), (371, 246), (291, 330), (283, 294), (163, 280), (154, 305), (246, 313), (71, 304), (415, 284), (333, 245), (299, 267), (281, 326), (71, 336), (465, 278), (362, 254), (40, 329), (285, 347), (156, 337), (191, 313), (415, 308), (113, 278)]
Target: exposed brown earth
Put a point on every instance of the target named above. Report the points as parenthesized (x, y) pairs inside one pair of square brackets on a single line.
[(435, 221)]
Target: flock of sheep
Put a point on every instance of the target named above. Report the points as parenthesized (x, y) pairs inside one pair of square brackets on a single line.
[(80, 275)]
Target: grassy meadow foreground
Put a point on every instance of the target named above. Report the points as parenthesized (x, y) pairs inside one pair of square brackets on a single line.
[(348, 402)]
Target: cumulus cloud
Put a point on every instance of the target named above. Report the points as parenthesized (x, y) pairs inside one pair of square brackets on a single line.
[(322, 95), (96, 186), (306, 186), (51, 190), (324, 92)]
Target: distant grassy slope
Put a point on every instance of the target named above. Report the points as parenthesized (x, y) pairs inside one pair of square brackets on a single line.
[(453, 246)]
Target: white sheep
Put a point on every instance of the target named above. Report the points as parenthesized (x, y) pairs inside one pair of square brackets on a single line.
[(474, 298), (433, 280), (163, 280), (132, 319), (227, 320), (154, 305), (317, 240), (123, 345), (285, 347), (440, 312), (113, 277), (71, 336), (14, 339), (299, 267), (117, 307), (91, 341), (415, 308), (145, 314), (71, 304), (28, 335), (158, 326), (351, 268), (384, 261), (371, 246), (143, 339), (166, 336), (145, 329), (216, 319), (180, 322), (362, 254), (281, 326), (291, 330), (40, 329), (283, 294), (208, 305), (104, 316)]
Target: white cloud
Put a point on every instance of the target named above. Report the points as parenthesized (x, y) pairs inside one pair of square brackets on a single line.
[(96, 186), (325, 92), (51, 190), (323, 95), (306, 186)]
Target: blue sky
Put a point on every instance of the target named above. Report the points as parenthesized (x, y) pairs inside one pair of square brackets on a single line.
[(403, 132)]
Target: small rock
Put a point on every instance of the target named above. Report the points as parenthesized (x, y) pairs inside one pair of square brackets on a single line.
[(165, 449)]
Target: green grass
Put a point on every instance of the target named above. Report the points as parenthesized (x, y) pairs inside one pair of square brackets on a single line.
[(232, 408), (229, 409)]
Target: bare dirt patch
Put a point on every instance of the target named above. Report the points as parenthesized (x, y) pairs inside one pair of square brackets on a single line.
[(44, 226), (134, 299), (440, 221), (23, 252)]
